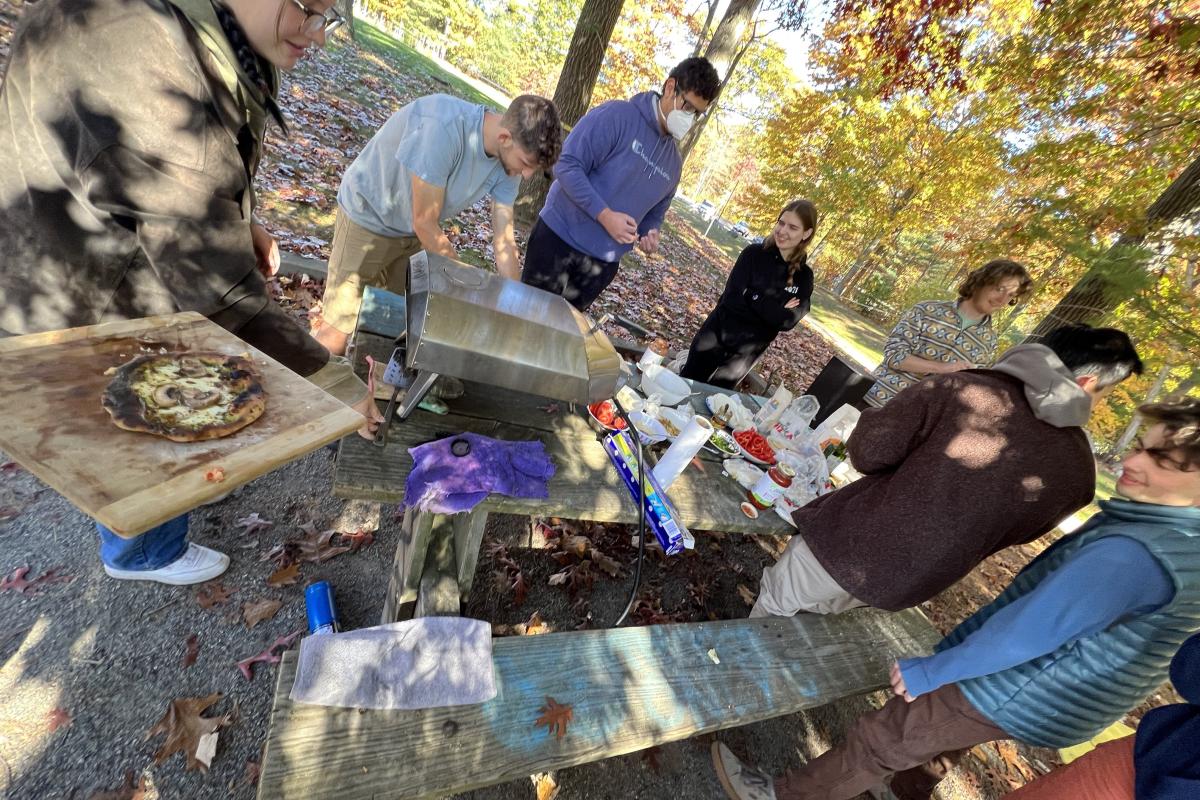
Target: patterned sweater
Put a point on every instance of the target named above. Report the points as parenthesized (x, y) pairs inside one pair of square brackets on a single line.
[(931, 330)]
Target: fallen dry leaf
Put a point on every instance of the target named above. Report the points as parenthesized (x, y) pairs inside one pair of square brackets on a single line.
[(212, 594), (17, 582), (358, 539), (578, 545), (251, 772), (544, 786), (555, 716), (252, 524), (259, 610), (126, 791), (560, 578), (268, 656), (520, 589), (58, 718), (192, 649), (317, 547), (535, 625), (284, 577), (748, 596), (609, 565), (185, 727)]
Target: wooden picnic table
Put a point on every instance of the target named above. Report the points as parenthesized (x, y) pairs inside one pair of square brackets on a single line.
[(585, 485), (630, 688)]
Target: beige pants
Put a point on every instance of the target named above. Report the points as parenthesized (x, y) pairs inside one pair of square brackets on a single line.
[(357, 259), (797, 582)]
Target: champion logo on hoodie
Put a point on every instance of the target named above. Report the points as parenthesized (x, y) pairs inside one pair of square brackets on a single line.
[(651, 163)]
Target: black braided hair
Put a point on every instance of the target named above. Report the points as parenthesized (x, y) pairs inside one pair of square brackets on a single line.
[(248, 60)]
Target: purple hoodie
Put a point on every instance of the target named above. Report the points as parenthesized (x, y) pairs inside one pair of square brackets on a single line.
[(616, 157)]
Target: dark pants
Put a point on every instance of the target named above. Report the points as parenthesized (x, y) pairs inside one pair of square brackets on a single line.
[(553, 265), (725, 349), (919, 742)]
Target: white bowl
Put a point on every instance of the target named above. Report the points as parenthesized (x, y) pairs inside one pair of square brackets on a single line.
[(676, 417), (669, 387), (649, 429)]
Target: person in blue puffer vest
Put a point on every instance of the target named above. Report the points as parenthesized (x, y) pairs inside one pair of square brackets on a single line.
[(1082, 635)]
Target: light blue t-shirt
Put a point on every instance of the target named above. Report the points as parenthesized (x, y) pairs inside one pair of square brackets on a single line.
[(439, 139)]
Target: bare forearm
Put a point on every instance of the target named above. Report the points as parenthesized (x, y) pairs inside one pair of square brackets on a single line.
[(924, 366), (507, 263), (433, 239)]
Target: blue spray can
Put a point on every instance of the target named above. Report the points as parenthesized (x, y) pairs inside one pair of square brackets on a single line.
[(318, 604)]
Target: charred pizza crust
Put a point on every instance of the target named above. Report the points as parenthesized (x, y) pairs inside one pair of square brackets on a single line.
[(185, 397)]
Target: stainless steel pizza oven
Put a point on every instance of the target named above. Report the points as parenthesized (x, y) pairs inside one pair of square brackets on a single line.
[(477, 326)]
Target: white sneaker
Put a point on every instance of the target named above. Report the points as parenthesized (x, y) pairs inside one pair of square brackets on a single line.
[(197, 565), (740, 781)]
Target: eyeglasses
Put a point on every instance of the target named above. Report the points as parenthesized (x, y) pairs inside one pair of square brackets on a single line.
[(314, 21)]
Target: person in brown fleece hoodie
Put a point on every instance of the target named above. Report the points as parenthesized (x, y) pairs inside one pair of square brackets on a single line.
[(955, 468)]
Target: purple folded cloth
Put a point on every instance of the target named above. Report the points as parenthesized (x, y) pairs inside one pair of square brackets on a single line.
[(444, 483)]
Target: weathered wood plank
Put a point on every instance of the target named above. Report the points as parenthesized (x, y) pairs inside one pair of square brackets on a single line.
[(631, 688), (408, 566), (439, 595), (468, 538)]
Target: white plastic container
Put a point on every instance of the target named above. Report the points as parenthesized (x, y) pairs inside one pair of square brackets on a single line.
[(765, 419)]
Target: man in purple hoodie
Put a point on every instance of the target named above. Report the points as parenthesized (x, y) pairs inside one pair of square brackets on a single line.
[(613, 184)]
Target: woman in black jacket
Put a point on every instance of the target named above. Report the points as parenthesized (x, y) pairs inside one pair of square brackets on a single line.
[(768, 291)]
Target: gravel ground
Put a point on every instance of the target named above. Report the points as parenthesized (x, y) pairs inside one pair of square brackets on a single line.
[(109, 654)]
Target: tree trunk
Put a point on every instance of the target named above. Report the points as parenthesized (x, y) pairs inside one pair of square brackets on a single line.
[(730, 32), (1095, 295), (693, 136), (864, 256), (346, 7), (573, 93), (1135, 423), (702, 39)]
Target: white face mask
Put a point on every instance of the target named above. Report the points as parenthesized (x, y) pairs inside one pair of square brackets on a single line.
[(679, 122)]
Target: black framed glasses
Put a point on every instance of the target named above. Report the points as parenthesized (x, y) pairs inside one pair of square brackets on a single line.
[(314, 21)]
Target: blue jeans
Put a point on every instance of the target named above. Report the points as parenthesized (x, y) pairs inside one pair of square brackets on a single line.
[(153, 549)]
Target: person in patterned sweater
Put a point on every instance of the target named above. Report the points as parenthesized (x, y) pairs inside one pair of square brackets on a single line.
[(940, 336), (1082, 635)]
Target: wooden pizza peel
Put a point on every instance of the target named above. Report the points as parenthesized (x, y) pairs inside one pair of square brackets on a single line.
[(52, 422)]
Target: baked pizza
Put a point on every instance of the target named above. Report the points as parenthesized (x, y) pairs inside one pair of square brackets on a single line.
[(185, 397)]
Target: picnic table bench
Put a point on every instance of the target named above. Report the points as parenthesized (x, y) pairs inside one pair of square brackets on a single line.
[(630, 688)]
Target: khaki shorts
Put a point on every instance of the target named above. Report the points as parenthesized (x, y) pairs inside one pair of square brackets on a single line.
[(797, 582), (360, 258)]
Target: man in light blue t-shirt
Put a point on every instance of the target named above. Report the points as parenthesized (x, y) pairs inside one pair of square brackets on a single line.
[(434, 158)]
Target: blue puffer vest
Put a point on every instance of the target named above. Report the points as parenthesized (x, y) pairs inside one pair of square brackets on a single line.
[(1073, 693)]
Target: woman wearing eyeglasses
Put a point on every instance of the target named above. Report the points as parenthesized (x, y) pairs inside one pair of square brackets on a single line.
[(130, 133)]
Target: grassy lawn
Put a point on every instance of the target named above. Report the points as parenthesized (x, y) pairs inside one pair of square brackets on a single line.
[(399, 55)]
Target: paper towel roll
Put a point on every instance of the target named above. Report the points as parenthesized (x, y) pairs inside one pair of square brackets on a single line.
[(682, 451)]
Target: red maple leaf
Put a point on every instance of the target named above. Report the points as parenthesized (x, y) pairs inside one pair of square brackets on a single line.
[(268, 656), (18, 583), (555, 716), (58, 718), (212, 593), (192, 650)]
